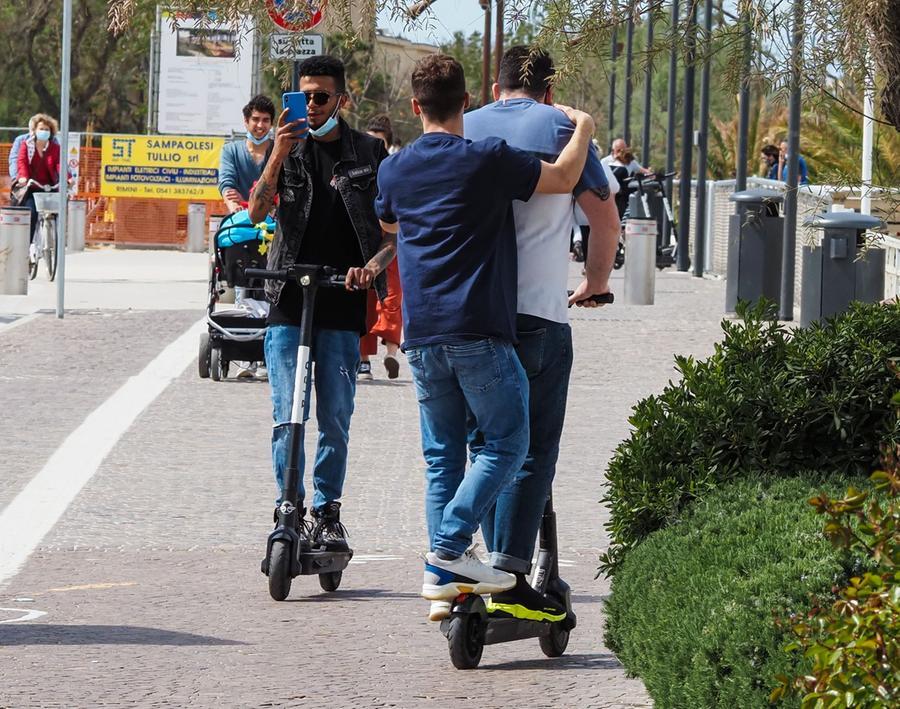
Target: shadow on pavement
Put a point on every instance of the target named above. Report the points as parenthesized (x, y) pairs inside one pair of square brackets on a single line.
[(28, 634), (356, 594), (603, 661)]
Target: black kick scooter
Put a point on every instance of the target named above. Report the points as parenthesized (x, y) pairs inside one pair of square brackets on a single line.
[(665, 255), (469, 627), (285, 558)]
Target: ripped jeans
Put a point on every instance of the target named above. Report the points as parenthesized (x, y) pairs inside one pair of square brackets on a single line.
[(334, 360)]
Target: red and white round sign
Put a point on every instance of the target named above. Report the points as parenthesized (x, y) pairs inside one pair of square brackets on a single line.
[(291, 14)]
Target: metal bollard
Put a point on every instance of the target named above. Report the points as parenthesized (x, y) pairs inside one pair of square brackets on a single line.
[(15, 231), (640, 261), (196, 227), (76, 225)]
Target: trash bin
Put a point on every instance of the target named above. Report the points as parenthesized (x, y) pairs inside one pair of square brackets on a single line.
[(755, 236), (15, 235), (640, 261), (840, 270)]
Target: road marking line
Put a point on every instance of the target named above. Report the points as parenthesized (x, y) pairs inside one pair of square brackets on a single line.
[(40, 504), (91, 587), (29, 614)]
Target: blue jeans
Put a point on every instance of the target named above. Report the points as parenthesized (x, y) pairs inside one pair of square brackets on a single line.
[(334, 360), (510, 528), (483, 377)]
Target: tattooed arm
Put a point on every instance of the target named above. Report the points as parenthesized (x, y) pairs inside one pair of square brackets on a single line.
[(359, 278), (286, 137)]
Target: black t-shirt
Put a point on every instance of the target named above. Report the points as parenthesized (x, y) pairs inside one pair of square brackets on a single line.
[(329, 240)]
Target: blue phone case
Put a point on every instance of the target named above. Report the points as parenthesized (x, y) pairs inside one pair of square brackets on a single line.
[(295, 103)]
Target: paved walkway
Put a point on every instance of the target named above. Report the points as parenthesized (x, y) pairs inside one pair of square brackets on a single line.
[(147, 591)]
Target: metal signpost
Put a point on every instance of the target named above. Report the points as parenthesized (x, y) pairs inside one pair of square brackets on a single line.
[(64, 162)]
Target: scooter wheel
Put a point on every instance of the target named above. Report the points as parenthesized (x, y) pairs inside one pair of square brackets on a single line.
[(280, 570), (465, 638), (555, 642), (331, 580)]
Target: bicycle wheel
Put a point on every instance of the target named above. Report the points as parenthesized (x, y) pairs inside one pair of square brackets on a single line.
[(50, 248)]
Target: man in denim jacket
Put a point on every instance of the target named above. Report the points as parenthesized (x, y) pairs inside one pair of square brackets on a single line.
[(324, 175)]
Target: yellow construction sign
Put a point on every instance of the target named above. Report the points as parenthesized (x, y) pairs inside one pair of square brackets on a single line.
[(160, 166)]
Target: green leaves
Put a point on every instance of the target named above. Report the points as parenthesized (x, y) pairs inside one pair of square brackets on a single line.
[(691, 609), (767, 400), (855, 644)]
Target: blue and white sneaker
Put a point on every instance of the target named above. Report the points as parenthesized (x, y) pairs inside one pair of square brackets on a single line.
[(445, 580)]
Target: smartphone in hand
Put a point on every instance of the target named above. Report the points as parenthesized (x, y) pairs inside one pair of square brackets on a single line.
[(295, 103)]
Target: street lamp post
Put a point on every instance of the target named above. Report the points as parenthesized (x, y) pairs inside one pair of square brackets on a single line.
[(687, 135), (670, 111), (700, 212), (648, 93), (64, 90), (629, 64), (486, 55), (613, 55)]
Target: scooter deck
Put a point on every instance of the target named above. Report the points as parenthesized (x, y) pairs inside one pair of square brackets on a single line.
[(313, 563), (507, 630)]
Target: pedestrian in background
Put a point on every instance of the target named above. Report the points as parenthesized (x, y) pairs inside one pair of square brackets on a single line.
[(242, 161), (38, 160), (803, 172), (383, 318)]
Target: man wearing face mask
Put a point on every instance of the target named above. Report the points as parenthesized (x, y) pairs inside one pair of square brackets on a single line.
[(324, 176), (243, 161)]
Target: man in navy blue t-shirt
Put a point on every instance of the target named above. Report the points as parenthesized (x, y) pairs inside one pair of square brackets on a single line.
[(450, 200)]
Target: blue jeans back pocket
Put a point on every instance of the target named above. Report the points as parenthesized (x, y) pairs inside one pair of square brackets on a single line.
[(476, 365)]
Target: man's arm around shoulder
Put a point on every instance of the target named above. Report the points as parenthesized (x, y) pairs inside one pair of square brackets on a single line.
[(560, 177)]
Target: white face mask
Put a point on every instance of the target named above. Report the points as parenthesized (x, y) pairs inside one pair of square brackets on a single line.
[(42, 134), (328, 125)]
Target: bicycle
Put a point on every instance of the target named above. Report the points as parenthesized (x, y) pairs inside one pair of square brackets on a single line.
[(46, 202)]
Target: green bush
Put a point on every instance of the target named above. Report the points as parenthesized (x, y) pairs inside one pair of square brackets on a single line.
[(691, 610), (767, 400), (854, 643)]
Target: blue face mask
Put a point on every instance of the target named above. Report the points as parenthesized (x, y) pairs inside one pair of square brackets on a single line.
[(42, 134), (257, 141), (328, 125)]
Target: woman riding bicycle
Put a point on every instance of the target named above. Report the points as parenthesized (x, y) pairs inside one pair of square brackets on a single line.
[(39, 161)]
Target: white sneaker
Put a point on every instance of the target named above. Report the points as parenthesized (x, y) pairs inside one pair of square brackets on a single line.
[(445, 580), (439, 610)]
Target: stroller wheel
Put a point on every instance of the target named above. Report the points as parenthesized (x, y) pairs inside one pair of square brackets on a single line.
[(218, 370), (203, 359)]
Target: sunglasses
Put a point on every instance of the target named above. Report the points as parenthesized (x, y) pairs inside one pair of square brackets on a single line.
[(319, 98)]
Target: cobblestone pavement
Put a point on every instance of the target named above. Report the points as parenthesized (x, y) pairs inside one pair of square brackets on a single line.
[(150, 581)]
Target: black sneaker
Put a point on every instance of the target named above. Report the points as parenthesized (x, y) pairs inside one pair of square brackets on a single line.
[(304, 529), (329, 534), (522, 601), (364, 372)]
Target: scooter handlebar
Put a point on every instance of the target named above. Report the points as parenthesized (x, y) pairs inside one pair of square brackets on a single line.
[(602, 298), (325, 275)]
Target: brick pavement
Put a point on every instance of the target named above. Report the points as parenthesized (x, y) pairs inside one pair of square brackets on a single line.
[(151, 585)]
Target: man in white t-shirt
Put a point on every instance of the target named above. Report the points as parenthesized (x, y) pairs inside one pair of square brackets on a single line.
[(524, 117)]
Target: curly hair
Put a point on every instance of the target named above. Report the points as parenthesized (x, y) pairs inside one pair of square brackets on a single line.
[(48, 120)]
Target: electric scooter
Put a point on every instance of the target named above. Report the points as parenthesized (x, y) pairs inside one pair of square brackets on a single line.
[(665, 255), (285, 557), (469, 627)]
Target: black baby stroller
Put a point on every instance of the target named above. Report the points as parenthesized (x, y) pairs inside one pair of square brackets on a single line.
[(236, 333)]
